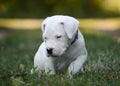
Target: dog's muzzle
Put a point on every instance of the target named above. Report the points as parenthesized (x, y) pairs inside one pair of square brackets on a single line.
[(50, 51)]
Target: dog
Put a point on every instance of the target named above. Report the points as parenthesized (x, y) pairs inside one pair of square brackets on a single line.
[(63, 47)]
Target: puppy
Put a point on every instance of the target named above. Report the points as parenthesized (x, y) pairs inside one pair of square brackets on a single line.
[(63, 47)]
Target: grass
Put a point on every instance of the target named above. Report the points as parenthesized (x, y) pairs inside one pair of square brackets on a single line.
[(17, 54), (96, 23)]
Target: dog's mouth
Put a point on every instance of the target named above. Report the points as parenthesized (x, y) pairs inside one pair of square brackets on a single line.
[(53, 56)]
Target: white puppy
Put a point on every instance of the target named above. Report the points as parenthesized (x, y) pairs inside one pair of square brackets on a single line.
[(63, 47)]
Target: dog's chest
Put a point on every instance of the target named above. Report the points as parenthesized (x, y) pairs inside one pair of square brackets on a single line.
[(61, 64)]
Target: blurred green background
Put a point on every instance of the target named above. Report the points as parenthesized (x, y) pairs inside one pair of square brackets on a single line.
[(43, 8), (20, 37)]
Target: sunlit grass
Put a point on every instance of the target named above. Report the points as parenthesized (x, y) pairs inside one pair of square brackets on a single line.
[(100, 24), (105, 24), (20, 23)]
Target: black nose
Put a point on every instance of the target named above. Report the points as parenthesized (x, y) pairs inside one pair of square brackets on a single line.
[(49, 50)]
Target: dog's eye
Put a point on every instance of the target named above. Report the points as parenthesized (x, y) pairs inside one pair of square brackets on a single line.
[(58, 37), (45, 38)]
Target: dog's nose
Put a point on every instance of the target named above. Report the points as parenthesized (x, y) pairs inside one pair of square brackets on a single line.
[(49, 50)]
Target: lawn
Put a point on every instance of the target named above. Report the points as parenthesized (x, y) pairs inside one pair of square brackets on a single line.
[(17, 51)]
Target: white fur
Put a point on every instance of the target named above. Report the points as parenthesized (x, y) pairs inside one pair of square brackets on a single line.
[(65, 55)]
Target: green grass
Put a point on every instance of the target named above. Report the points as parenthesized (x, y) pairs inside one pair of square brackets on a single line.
[(18, 48)]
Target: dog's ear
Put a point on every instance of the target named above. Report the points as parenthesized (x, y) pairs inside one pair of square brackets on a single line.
[(70, 25), (43, 27)]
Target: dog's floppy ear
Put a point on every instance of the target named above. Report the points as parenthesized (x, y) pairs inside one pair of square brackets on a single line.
[(44, 25), (70, 25)]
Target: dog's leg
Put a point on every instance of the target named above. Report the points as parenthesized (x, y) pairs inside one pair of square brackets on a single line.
[(76, 65), (49, 67)]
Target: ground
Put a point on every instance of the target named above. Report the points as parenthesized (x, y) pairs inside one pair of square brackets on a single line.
[(17, 49)]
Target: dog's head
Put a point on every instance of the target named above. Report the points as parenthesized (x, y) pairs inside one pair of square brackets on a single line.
[(58, 31)]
